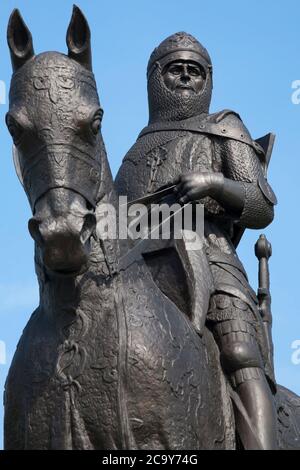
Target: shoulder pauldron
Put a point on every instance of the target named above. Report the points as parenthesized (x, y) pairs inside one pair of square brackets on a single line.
[(226, 124)]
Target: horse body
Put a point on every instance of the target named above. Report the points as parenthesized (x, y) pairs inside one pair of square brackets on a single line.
[(114, 372), (107, 361)]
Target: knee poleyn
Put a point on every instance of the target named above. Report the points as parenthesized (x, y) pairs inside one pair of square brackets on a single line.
[(240, 355)]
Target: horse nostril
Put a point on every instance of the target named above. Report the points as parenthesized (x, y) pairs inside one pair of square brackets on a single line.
[(88, 227), (34, 230)]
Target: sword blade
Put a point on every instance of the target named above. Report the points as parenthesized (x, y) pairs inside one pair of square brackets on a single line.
[(151, 198)]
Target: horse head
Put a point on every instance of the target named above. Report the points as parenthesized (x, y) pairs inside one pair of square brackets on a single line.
[(55, 118)]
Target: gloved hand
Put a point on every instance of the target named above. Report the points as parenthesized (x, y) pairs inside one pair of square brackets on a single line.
[(194, 186)]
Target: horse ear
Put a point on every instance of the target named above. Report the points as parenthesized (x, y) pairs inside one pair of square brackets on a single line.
[(19, 40), (79, 39)]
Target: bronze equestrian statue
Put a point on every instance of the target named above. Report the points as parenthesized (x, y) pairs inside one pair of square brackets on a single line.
[(112, 358), (106, 361)]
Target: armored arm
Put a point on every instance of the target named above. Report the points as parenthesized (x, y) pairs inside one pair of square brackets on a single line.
[(245, 191)]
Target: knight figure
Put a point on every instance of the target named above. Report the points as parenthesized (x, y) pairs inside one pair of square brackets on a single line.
[(212, 159)]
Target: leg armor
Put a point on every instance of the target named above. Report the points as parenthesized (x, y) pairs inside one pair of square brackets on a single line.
[(239, 352), (235, 330)]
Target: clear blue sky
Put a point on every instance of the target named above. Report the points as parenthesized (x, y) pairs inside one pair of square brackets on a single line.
[(254, 46)]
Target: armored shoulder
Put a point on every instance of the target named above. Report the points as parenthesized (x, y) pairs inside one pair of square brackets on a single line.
[(229, 124)]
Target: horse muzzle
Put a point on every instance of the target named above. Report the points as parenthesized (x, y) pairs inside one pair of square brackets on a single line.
[(65, 250)]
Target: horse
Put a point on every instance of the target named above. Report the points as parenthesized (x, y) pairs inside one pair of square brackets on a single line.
[(107, 360)]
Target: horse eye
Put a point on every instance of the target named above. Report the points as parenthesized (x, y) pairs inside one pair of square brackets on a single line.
[(14, 128), (96, 124)]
